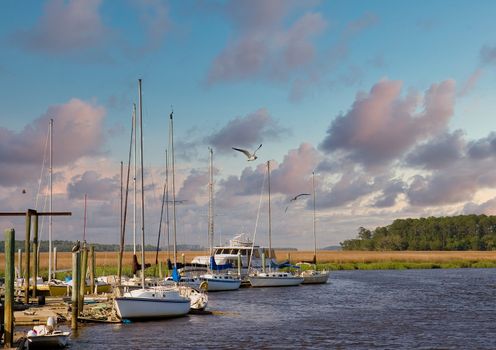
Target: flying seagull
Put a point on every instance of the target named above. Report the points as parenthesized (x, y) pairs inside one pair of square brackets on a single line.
[(248, 154), (295, 198)]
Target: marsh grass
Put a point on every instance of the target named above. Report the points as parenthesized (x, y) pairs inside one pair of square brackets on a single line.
[(106, 262)]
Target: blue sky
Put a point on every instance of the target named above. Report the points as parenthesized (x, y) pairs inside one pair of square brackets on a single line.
[(390, 102)]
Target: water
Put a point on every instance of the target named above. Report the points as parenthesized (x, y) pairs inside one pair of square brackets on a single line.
[(410, 309)]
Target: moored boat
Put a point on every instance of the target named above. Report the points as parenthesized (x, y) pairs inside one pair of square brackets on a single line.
[(315, 276), (274, 279), (47, 336), (156, 302)]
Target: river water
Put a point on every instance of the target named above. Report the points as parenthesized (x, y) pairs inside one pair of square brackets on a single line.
[(392, 309)]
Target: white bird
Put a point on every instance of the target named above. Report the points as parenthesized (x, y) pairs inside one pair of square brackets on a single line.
[(249, 155)]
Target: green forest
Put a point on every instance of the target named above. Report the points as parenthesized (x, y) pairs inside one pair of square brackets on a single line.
[(462, 232)]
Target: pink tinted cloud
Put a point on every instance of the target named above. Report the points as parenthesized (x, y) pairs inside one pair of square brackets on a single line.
[(77, 133), (264, 44), (92, 184), (294, 173), (65, 27), (382, 125), (245, 131), (194, 186), (291, 176)]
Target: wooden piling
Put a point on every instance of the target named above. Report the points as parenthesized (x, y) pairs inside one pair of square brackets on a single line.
[(183, 260), (19, 263), (54, 261), (239, 264), (75, 290), (9, 288), (35, 254), (28, 256), (93, 268), (160, 273), (82, 280)]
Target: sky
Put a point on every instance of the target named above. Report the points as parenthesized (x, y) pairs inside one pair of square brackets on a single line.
[(389, 103)]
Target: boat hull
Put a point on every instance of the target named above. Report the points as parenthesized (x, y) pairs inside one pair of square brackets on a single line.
[(150, 304), (218, 285), (315, 277), (48, 341), (274, 281)]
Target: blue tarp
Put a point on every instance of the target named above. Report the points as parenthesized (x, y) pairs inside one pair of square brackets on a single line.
[(215, 267), (176, 277)]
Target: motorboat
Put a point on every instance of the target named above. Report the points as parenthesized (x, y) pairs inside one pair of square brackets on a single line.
[(251, 255), (47, 336)]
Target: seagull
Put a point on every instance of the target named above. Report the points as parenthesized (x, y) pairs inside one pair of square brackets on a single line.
[(295, 198), (299, 195), (76, 247), (248, 154)]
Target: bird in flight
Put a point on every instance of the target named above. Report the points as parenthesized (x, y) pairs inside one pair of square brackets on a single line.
[(249, 155), (295, 198)]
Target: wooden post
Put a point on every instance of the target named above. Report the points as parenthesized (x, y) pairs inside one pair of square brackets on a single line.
[(263, 262), (93, 268), (183, 258), (54, 261), (27, 250), (239, 264), (19, 263), (160, 273), (75, 291), (35, 254), (289, 257), (82, 280), (9, 287)]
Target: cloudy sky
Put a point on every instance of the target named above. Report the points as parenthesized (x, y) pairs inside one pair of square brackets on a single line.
[(390, 103)]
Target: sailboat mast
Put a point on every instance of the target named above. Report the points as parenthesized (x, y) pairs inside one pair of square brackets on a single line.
[(51, 208), (211, 204), (167, 201), (134, 178), (314, 231), (173, 187), (270, 218), (84, 219), (142, 190)]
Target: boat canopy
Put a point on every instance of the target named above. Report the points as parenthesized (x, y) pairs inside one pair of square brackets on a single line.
[(215, 267)]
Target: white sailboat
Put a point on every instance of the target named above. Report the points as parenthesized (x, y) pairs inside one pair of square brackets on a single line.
[(314, 276), (272, 278), (149, 302), (197, 296), (217, 280)]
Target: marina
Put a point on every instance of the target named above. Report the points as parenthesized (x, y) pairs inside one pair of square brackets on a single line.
[(405, 309)]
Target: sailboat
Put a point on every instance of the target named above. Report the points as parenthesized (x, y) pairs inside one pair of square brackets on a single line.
[(272, 278), (190, 288), (314, 276), (149, 302), (217, 280)]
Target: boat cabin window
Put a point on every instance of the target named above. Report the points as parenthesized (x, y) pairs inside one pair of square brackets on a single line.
[(234, 251)]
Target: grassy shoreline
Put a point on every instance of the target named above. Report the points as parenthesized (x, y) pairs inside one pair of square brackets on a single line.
[(332, 260)]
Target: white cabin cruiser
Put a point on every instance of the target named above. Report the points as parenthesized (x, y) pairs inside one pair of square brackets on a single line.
[(251, 255)]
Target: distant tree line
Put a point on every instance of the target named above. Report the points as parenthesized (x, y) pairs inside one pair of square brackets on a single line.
[(463, 232), (66, 246)]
